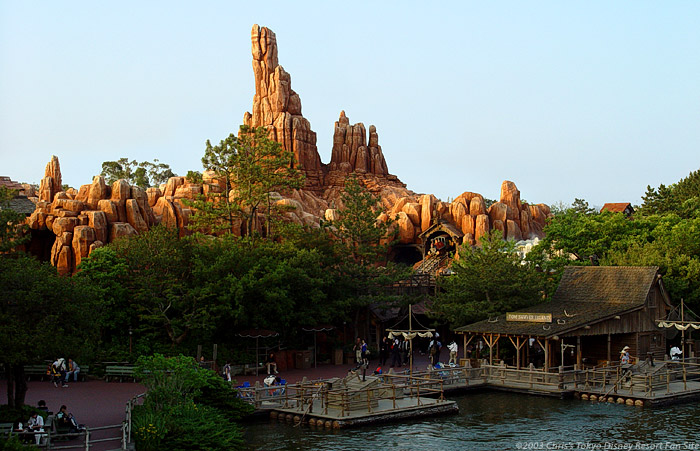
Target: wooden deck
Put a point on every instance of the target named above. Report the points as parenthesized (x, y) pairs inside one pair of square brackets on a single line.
[(350, 401)]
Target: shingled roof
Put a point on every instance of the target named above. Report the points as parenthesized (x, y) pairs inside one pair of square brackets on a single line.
[(21, 204), (585, 295), (617, 207)]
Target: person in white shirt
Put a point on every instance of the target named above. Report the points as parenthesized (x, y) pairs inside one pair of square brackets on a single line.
[(453, 352), (36, 424)]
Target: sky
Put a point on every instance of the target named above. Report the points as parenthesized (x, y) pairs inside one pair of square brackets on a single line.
[(593, 100)]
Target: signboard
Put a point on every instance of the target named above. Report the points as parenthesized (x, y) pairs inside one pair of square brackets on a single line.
[(530, 317)]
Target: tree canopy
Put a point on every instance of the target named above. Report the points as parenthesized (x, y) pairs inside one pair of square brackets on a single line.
[(488, 280), (249, 167), (142, 174)]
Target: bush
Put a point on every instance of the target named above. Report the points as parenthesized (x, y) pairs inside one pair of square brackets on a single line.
[(186, 407)]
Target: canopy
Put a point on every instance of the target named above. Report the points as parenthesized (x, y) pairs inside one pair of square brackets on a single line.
[(314, 329), (257, 334)]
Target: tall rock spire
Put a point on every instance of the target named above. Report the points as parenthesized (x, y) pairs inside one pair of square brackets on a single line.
[(278, 108)]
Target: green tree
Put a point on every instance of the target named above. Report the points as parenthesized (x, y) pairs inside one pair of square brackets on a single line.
[(250, 167), (682, 198), (142, 174), (158, 283), (186, 407), (361, 251), (42, 315), (487, 280), (13, 230)]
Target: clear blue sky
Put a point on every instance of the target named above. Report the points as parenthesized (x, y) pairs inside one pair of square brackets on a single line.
[(594, 100)]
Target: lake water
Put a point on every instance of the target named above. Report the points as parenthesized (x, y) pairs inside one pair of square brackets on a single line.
[(504, 421)]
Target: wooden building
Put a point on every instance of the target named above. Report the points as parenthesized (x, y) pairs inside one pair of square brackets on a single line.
[(594, 313), (618, 207)]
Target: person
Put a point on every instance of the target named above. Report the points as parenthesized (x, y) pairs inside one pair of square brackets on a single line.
[(384, 348), (365, 354), (453, 352), (625, 356), (58, 372), (226, 371), (41, 405), (434, 351), (676, 353), (74, 369), (67, 420), (395, 354), (36, 425), (270, 363), (358, 352)]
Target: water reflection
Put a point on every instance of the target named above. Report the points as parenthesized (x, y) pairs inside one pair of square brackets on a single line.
[(499, 421)]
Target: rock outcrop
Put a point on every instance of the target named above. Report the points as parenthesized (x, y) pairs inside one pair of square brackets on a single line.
[(278, 108), (96, 214)]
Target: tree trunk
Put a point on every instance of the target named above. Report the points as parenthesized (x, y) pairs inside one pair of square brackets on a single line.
[(16, 385), (10, 385), (20, 385)]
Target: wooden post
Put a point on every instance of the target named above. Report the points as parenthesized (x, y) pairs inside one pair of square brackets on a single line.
[(609, 346), (546, 355), (214, 353), (199, 352), (490, 343), (578, 352), (465, 345)]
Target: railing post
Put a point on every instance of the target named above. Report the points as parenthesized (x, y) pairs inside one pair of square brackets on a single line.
[(87, 440)]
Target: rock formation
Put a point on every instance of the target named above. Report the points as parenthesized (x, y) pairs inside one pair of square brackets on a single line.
[(95, 215), (98, 214), (278, 108)]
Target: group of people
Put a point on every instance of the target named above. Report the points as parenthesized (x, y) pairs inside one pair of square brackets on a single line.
[(61, 371), (34, 427)]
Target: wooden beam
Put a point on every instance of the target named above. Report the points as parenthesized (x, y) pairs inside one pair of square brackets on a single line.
[(578, 352)]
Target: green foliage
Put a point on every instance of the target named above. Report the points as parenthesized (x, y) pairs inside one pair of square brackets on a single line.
[(13, 443), (682, 198), (13, 230), (37, 307), (358, 228), (249, 166), (142, 174), (488, 280), (194, 177), (10, 414), (186, 407)]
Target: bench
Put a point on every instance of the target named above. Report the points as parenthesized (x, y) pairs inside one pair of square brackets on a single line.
[(60, 432), (250, 368), (5, 429), (82, 375), (120, 371), (38, 371)]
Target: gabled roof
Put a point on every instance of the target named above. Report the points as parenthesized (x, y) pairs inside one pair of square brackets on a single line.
[(618, 207), (9, 183), (585, 295), (22, 205), (444, 226)]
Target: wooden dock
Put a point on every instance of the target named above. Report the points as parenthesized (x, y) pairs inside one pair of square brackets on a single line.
[(351, 401)]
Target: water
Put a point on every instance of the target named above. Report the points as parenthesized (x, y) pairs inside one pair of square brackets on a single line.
[(503, 421)]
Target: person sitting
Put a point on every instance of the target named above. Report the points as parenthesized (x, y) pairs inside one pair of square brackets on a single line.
[(270, 363), (625, 356), (73, 369), (41, 405), (58, 372), (67, 422), (36, 425)]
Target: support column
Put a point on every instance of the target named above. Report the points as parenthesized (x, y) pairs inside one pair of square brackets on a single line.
[(546, 354), (609, 346), (578, 352), (464, 350)]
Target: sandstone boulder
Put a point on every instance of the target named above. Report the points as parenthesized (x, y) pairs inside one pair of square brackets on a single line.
[(98, 191), (120, 229), (477, 206), (407, 231), (482, 227), (413, 211), (427, 203), (513, 231), (98, 221), (134, 217), (83, 237)]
